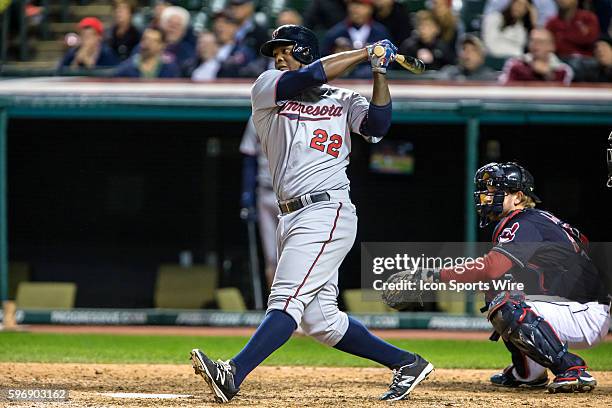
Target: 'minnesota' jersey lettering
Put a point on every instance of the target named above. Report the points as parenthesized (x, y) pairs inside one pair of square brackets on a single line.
[(307, 139)]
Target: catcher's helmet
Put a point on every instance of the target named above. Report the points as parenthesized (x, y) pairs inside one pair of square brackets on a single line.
[(506, 177), (304, 41)]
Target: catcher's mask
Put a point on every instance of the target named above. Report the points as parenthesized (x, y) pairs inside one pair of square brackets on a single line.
[(497, 180)]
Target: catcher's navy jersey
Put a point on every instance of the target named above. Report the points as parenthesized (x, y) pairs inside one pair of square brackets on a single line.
[(549, 255)]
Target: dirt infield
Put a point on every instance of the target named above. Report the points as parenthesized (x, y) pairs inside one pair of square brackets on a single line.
[(279, 387)]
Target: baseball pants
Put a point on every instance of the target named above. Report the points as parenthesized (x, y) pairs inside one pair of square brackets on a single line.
[(312, 243)]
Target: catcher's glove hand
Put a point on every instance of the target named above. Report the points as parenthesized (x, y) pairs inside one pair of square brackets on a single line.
[(404, 288)]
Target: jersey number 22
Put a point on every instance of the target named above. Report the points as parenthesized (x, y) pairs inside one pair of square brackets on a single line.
[(321, 137)]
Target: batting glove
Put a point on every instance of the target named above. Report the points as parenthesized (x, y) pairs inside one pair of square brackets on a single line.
[(380, 64)]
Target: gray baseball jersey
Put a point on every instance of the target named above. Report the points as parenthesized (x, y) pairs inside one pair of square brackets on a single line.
[(307, 142), (307, 139)]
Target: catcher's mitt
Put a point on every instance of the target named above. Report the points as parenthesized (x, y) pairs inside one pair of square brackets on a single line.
[(403, 288)]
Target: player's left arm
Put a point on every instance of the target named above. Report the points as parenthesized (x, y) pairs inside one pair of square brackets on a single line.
[(374, 123), (372, 119), (377, 122)]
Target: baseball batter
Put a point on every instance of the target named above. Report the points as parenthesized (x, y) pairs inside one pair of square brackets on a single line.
[(304, 127), (257, 193), (564, 302)]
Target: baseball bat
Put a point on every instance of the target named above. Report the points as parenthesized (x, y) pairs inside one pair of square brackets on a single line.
[(414, 65)]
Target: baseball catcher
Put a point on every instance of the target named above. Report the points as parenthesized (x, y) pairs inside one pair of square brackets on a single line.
[(564, 302)]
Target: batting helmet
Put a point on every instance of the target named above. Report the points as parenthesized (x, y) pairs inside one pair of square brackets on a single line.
[(505, 177), (304, 41)]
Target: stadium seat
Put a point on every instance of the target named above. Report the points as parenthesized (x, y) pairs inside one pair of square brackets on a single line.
[(230, 300), (455, 303), (471, 15), (298, 5), (414, 5), (191, 5), (495, 63), (358, 301), (46, 295), (180, 287), (18, 272)]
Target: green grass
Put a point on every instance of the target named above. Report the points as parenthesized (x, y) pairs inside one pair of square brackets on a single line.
[(97, 348)]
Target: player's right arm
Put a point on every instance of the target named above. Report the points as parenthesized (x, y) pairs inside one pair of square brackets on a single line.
[(273, 87)]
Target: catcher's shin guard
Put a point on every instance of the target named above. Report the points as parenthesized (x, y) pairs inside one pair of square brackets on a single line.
[(516, 323)]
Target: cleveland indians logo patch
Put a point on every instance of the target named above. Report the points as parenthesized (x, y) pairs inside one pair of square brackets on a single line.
[(509, 233)]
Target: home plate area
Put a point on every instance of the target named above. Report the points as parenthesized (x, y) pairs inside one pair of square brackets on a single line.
[(167, 385), (142, 395)]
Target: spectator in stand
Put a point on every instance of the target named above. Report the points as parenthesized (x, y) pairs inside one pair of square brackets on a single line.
[(206, 65), (545, 9), (575, 31), (92, 51), (289, 16), (448, 23), (158, 10), (598, 69), (250, 34), (230, 59), (471, 65), (286, 16), (395, 17), (123, 36), (359, 71), (602, 9), (324, 14), (603, 55), (342, 44), (235, 56), (175, 23), (540, 64), (505, 34), (358, 27), (149, 61), (426, 44)]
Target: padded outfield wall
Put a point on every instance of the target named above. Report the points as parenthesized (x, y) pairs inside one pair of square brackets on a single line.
[(106, 180)]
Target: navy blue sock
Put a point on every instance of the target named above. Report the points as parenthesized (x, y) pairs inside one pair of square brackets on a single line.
[(273, 332), (359, 341)]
